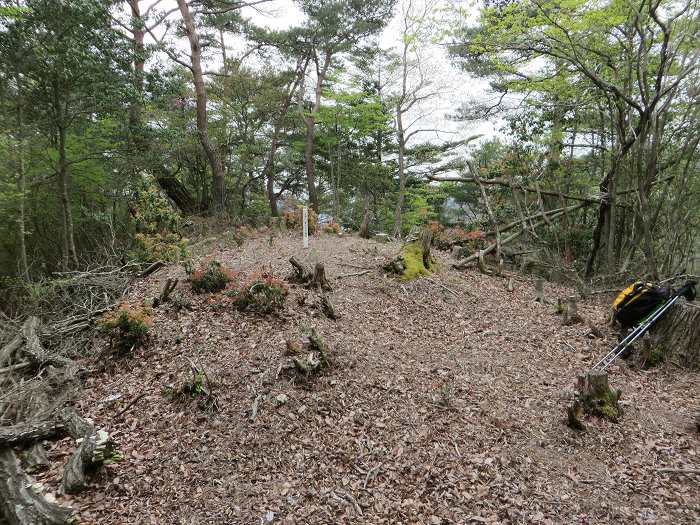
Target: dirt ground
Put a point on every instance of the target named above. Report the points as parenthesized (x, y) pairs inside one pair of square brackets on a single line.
[(445, 404)]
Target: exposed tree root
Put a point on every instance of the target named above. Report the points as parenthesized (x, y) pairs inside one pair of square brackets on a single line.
[(20, 503)]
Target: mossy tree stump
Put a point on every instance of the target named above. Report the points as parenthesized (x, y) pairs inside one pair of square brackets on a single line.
[(410, 263), (594, 398)]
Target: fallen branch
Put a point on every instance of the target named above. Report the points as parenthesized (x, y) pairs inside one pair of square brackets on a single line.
[(129, 405), (475, 256), (152, 269)]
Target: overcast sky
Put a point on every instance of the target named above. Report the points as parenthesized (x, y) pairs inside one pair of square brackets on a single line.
[(456, 87)]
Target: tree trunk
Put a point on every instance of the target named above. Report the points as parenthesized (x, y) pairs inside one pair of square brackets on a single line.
[(596, 398), (138, 32), (269, 168), (398, 218), (364, 227), (70, 255), (218, 200), (21, 185), (177, 192), (310, 122)]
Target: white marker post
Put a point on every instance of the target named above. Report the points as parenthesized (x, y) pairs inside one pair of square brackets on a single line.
[(305, 218)]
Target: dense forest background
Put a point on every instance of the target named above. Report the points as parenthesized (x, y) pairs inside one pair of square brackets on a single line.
[(127, 126)]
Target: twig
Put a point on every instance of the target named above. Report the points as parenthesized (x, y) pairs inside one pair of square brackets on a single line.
[(254, 409), (129, 405), (679, 470), (353, 274), (446, 288), (18, 366), (371, 475)]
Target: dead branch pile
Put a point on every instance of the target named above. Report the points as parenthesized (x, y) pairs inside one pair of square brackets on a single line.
[(31, 410)]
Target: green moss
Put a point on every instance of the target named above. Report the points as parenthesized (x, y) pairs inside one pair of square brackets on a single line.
[(413, 259), (606, 406)]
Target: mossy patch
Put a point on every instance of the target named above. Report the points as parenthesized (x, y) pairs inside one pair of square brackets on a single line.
[(413, 262)]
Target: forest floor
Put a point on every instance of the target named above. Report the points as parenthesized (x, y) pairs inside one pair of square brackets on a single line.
[(445, 403)]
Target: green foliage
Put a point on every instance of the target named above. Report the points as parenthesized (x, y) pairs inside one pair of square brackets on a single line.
[(261, 292), (127, 326), (157, 223), (211, 278)]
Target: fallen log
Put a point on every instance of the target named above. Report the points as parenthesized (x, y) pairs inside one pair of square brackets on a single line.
[(20, 503), (25, 433)]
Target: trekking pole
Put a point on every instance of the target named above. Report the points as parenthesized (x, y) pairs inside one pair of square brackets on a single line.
[(635, 334)]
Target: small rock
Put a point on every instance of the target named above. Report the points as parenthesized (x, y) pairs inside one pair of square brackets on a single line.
[(281, 399)]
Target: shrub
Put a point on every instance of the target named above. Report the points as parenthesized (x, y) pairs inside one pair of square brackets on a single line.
[(151, 247), (127, 325), (332, 227), (157, 224), (211, 278), (445, 238), (294, 219), (260, 292)]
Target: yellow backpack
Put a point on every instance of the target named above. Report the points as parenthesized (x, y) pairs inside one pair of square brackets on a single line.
[(630, 294)]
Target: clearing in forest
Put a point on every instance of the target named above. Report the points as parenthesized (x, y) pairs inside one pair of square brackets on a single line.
[(444, 403)]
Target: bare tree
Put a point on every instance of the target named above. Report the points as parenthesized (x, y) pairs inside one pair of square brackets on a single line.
[(414, 87)]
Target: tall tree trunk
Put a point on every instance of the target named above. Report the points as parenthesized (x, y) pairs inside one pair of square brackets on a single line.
[(21, 185), (70, 255), (309, 160), (310, 122), (398, 217), (138, 32), (218, 200), (269, 168)]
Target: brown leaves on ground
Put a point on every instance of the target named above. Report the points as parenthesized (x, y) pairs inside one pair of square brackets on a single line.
[(440, 408)]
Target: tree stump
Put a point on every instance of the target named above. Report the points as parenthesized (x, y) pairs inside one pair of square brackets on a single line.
[(539, 291), (594, 397), (304, 275), (511, 285), (571, 315), (676, 336)]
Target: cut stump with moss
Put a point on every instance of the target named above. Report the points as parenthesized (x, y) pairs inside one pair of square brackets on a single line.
[(594, 398), (410, 264)]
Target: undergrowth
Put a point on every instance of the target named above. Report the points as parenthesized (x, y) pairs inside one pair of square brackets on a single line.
[(127, 326), (211, 278), (261, 292)]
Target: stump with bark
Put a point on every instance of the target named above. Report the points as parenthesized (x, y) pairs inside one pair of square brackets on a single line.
[(594, 397), (539, 291), (571, 315), (311, 278), (676, 336)]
